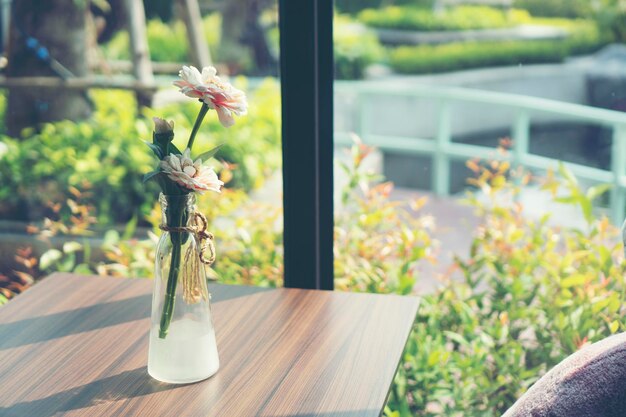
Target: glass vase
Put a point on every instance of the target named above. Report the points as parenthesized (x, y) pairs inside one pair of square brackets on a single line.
[(182, 348)]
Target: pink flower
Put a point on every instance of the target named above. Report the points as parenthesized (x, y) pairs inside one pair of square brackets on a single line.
[(189, 174), (217, 94)]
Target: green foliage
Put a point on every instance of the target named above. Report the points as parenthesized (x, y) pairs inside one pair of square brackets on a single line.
[(355, 6), (249, 248), (556, 8), (106, 155), (611, 16), (457, 18), (465, 55), (168, 42), (355, 49), (529, 295), (584, 37), (378, 243)]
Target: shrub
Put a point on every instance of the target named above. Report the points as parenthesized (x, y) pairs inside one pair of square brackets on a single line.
[(584, 37), (611, 16), (458, 18), (167, 41), (106, 155), (556, 8), (530, 294), (458, 56), (355, 6), (355, 49), (379, 244)]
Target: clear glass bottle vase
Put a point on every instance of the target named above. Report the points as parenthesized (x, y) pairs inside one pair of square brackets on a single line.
[(182, 348)]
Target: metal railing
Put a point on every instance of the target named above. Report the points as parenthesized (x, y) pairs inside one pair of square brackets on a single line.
[(443, 150)]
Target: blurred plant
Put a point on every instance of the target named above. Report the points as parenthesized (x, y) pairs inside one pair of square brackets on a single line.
[(378, 242), (528, 295), (17, 281), (355, 46), (105, 155), (455, 18), (250, 247), (458, 56), (556, 8), (355, 6), (167, 41), (611, 15), (102, 153)]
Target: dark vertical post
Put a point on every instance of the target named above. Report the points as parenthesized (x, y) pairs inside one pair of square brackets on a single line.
[(306, 64)]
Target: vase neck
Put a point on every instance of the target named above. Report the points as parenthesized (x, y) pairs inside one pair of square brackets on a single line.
[(177, 210)]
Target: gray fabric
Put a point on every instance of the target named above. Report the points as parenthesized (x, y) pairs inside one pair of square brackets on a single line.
[(589, 383)]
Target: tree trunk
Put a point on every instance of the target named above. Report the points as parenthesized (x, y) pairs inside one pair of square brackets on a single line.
[(241, 28), (60, 27)]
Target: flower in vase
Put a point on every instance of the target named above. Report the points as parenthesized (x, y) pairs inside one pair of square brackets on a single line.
[(190, 175), (215, 93)]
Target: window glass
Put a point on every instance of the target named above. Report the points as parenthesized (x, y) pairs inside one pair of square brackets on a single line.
[(72, 160), (479, 163)]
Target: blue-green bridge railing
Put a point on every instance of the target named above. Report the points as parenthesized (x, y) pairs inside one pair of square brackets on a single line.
[(442, 149)]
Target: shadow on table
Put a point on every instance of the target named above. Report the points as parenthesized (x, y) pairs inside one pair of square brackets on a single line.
[(125, 385), (98, 316)]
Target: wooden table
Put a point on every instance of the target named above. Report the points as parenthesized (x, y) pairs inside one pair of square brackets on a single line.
[(78, 345)]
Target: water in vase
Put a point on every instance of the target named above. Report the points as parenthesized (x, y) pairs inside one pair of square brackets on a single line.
[(187, 354)]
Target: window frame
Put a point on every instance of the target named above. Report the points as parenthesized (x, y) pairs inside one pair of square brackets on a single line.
[(306, 71)]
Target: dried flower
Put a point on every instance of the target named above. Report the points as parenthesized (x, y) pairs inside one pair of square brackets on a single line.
[(189, 174), (215, 93)]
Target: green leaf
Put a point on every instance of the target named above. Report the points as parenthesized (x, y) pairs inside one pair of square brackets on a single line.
[(574, 281), (150, 175), (209, 154), (111, 237), (567, 174), (596, 191), (49, 257), (69, 247), (130, 228), (566, 200), (174, 149), (157, 151), (456, 338), (587, 208), (82, 269)]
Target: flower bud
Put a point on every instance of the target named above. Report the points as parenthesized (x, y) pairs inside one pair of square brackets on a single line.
[(162, 125)]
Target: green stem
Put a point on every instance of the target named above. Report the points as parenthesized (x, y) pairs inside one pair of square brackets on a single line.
[(170, 291), (176, 216), (203, 111)]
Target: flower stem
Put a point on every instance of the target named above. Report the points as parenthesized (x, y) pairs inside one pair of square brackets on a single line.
[(176, 216), (203, 111), (170, 291)]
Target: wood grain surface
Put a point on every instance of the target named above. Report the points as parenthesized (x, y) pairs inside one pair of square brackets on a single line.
[(78, 345)]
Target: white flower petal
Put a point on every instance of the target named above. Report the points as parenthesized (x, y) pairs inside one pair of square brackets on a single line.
[(214, 92), (226, 119)]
